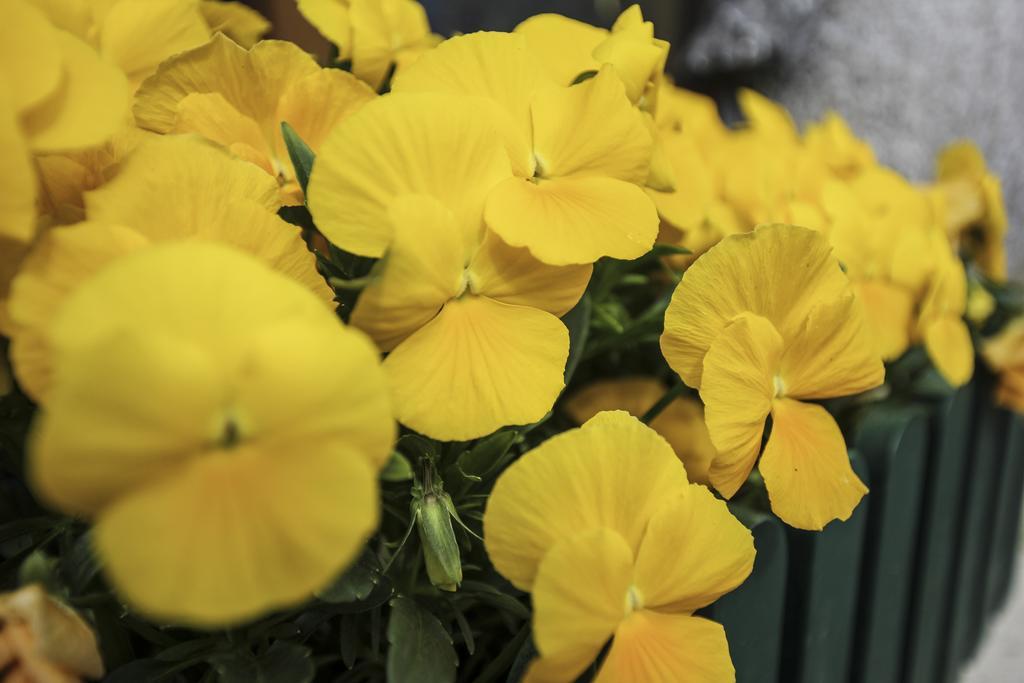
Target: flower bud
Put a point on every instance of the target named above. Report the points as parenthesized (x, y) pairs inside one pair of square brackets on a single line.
[(440, 549)]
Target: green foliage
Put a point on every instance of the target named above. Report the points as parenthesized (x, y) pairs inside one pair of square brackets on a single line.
[(299, 152), (421, 649)]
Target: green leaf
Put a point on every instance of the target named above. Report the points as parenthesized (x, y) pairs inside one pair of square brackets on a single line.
[(287, 662), (80, 565), (482, 459), (284, 662), (669, 250), (356, 583), (301, 155), (577, 321), (397, 469), (421, 649), (140, 670), (583, 76)]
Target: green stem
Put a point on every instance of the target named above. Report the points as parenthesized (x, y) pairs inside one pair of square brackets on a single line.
[(669, 396)]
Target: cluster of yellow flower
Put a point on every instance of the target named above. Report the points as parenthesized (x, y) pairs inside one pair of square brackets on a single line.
[(195, 385)]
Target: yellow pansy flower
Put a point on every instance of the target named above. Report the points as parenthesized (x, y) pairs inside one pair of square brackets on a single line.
[(373, 34), (973, 201), (226, 474), (832, 141), (695, 214), (760, 324), (570, 49), (460, 311), (580, 153), (170, 188), (602, 527), (564, 47), (56, 94), (681, 422), (404, 144), (1004, 353), (941, 326), (638, 57), (135, 35), (875, 251), (65, 178), (238, 98), (236, 20), (473, 331)]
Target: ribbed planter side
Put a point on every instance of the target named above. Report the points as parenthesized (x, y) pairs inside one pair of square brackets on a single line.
[(1006, 530), (984, 468), (936, 554), (893, 438), (821, 596), (753, 613)]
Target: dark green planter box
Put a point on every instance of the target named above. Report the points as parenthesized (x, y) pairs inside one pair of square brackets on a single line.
[(821, 596), (753, 614), (937, 549), (893, 438), (1006, 528), (983, 472)]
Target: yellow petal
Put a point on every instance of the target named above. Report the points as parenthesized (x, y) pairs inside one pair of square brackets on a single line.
[(737, 389), (512, 275), (86, 110), (30, 56), (65, 178), (331, 19), (17, 177), (211, 116), (806, 468), (478, 366), (779, 272), (497, 67), (889, 310), (11, 255), (580, 594), (175, 188), (316, 103), (403, 144), (948, 343), (380, 28), (612, 472), (766, 117), (93, 446), (251, 81), (661, 175), (681, 422), (58, 263), (421, 271), (563, 46), (573, 220), (834, 354), (138, 35), (590, 130), (237, 21), (662, 648), (139, 194), (560, 668), (636, 59), (687, 206), (693, 553), (271, 529)]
